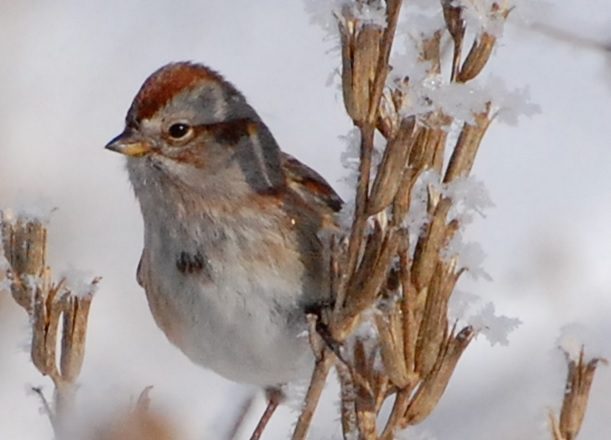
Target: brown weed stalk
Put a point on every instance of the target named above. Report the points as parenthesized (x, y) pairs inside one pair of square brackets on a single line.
[(576, 394), (399, 291), (58, 318)]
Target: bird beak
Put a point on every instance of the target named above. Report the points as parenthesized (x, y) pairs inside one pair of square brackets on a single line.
[(129, 145)]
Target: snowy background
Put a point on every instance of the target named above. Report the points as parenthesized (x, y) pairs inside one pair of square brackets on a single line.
[(69, 72)]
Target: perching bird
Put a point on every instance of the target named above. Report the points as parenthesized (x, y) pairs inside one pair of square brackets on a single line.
[(232, 250)]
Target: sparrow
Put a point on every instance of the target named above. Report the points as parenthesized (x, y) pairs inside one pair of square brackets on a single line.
[(233, 253)]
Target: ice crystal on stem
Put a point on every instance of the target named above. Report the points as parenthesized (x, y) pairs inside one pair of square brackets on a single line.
[(495, 328)]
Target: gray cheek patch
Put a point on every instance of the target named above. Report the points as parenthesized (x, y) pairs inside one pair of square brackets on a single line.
[(258, 156)]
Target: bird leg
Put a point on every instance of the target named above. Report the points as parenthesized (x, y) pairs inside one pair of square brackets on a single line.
[(274, 397)]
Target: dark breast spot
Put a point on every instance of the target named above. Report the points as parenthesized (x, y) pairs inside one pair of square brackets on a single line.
[(190, 263)]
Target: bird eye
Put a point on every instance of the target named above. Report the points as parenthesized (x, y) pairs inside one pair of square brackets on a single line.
[(179, 130)]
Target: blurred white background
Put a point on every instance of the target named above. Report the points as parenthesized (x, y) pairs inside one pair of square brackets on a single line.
[(69, 72)]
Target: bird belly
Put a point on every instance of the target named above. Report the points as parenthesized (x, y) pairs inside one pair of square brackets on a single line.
[(241, 319)]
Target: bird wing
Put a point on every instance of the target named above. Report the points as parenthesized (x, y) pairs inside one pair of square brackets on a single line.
[(310, 185)]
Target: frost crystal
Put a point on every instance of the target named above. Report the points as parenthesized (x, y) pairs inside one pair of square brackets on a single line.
[(461, 303), (350, 159), (431, 94), (426, 94), (38, 211), (495, 328), (367, 334), (468, 195), (510, 104), (350, 156), (80, 284), (323, 12), (373, 14), (482, 15), (469, 256), (295, 393)]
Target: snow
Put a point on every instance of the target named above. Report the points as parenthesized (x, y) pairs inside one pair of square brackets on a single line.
[(495, 328), (324, 12), (469, 195), (368, 14), (509, 105), (350, 162), (79, 283), (427, 92), (461, 101), (467, 308), (294, 394), (461, 304), (479, 15), (350, 157), (38, 210), (367, 334), (469, 256)]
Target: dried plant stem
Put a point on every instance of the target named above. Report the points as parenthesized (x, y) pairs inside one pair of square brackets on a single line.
[(393, 8), (360, 220), (456, 27), (398, 410), (49, 304), (367, 134), (348, 405), (401, 294), (317, 384), (577, 392)]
